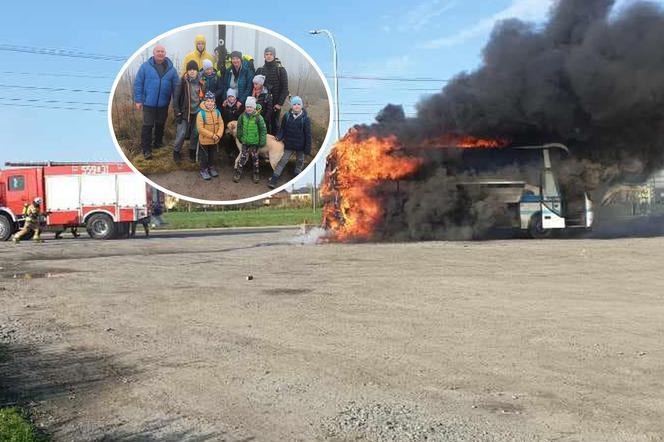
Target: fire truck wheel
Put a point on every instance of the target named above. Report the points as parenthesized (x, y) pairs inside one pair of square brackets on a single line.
[(535, 227), (100, 226), (6, 228)]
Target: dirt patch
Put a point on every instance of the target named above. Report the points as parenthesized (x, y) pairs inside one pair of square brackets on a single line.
[(497, 340)]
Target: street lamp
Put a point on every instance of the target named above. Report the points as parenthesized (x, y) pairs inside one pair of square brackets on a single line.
[(336, 77), (336, 95)]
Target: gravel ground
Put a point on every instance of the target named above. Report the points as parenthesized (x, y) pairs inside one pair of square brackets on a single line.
[(168, 339)]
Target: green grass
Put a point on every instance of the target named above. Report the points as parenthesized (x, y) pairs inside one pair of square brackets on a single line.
[(242, 218), (14, 427)]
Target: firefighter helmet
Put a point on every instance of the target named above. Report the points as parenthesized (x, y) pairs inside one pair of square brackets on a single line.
[(37, 200)]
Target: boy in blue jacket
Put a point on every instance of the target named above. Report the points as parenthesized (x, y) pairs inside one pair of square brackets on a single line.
[(295, 132)]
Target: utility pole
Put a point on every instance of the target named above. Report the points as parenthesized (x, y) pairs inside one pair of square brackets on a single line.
[(221, 50), (335, 65)]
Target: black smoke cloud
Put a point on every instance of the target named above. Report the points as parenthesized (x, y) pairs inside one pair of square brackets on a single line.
[(590, 80), (586, 79)]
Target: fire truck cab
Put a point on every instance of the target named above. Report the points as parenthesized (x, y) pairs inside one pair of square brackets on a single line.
[(106, 198)]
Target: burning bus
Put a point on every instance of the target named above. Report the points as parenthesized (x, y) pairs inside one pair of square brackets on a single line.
[(376, 188), (537, 202)]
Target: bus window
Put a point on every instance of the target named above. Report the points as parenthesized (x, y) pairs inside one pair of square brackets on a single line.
[(16, 183)]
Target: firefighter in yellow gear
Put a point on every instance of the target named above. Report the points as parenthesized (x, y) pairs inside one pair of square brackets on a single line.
[(32, 213)]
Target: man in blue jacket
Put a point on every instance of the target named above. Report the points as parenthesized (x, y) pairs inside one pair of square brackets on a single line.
[(153, 87)]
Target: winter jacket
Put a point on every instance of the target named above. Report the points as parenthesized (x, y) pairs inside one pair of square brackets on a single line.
[(244, 82), (264, 98), (197, 56), (296, 132), (276, 80), (209, 123), (212, 83), (231, 112), (154, 90), (182, 96), (251, 129)]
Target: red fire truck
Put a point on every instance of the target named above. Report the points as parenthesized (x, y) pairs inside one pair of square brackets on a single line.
[(107, 198)]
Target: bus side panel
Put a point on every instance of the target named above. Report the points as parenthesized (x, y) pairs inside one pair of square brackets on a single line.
[(550, 220), (526, 212)]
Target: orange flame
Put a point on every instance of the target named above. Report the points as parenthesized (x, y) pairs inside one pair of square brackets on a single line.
[(465, 141), (354, 168), (357, 165)]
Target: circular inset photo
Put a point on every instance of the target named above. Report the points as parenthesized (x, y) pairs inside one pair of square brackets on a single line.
[(220, 112)]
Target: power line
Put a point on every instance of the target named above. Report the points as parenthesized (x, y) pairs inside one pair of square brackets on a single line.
[(39, 100), (60, 52), (53, 89), (52, 107), (392, 89), (56, 74), (406, 79), (377, 104)]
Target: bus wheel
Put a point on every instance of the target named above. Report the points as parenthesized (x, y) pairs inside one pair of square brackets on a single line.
[(100, 226), (535, 227), (6, 228)]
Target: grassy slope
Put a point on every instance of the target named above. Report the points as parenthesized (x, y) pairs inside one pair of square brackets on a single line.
[(242, 218)]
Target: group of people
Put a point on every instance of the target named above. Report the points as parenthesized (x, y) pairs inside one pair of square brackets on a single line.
[(209, 93)]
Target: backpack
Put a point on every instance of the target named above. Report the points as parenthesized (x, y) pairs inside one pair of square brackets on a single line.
[(279, 66), (248, 58), (204, 119)]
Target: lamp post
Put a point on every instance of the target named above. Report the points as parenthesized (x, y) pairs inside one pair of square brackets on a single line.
[(336, 96), (336, 77)]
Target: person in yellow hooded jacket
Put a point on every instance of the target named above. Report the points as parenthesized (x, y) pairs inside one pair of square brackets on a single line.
[(198, 54)]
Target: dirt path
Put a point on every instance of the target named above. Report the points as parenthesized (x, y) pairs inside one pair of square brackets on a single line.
[(166, 339), (189, 183)]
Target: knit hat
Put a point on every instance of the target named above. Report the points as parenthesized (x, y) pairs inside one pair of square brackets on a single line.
[(209, 95), (236, 54), (231, 92), (192, 65), (207, 64), (296, 100), (251, 102), (270, 49), (260, 79)]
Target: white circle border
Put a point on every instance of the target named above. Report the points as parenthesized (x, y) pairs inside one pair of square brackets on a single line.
[(261, 196)]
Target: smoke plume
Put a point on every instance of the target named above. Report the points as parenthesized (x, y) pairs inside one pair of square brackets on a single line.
[(587, 78)]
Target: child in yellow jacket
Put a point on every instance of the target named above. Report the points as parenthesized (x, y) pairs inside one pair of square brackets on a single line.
[(210, 128)]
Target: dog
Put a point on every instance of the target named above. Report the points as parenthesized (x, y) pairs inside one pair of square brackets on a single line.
[(273, 149)]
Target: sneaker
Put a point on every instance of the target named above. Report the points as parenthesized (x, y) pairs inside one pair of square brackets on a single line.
[(192, 156), (257, 177), (213, 172), (205, 175), (15, 240), (237, 175), (147, 156), (177, 156), (272, 182)]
